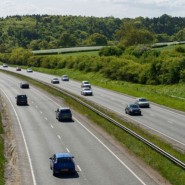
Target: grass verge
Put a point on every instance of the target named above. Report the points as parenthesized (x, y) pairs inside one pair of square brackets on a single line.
[(2, 157), (172, 96), (174, 174)]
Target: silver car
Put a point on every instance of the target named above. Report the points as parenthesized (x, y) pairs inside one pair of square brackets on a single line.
[(86, 91), (142, 102)]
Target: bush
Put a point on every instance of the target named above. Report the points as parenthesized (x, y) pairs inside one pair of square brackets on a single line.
[(110, 51)]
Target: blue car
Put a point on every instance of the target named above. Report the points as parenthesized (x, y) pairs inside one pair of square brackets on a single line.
[(62, 163), (133, 109)]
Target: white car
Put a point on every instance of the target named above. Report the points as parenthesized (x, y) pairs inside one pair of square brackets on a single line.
[(86, 91), (142, 102), (85, 84), (5, 65), (29, 70), (65, 78), (55, 81)]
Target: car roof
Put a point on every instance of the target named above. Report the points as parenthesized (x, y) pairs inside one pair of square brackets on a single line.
[(64, 108), (60, 155), (21, 95), (130, 104)]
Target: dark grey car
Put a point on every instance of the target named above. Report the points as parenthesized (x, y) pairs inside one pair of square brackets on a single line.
[(63, 113), (21, 99), (132, 109)]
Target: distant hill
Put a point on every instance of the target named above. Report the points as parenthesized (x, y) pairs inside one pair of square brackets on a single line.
[(48, 32)]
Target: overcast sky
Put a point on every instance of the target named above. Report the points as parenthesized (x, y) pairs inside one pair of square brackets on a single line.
[(97, 8)]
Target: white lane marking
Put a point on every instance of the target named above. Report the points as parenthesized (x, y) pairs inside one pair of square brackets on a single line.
[(46, 118), (142, 123), (169, 121), (58, 136), (41, 112), (36, 106), (24, 139), (68, 150), (79, 168), (51, 126), (110, 151), (150, 128)]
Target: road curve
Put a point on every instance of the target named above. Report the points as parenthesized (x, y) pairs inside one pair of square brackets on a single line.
[(161, 120), (39, 135)]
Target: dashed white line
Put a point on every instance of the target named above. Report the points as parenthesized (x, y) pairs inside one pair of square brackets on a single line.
[(51, 126), (46, 118), (58, 136), (135, 175), (67, 150), (41, 112), (79, 168), (24, 139)]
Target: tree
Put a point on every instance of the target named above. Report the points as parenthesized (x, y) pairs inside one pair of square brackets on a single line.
[(131, 35), (96, 39), (180, 36)]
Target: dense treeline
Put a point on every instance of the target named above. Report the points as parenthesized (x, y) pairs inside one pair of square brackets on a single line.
[(46, 32), (138, 64)]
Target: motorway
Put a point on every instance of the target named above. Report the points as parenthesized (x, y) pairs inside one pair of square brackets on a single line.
[(38, 135), (162, 121)]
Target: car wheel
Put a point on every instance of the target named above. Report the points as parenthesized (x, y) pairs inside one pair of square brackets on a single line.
[(54, 174)]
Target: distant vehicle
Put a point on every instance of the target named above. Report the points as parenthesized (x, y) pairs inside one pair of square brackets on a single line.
[(62, 163), (132, 109), (29, 70), (142, 102), (63, 113), (65, 78), (24, 85), (5, 65), (85, 84), (86, 91), (55, 81), (21, 100), (18, 68)]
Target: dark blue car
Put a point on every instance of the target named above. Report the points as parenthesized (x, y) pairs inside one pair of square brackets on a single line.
[(62, 163), (133, 109)]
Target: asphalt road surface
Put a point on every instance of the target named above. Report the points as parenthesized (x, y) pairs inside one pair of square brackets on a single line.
[(38, 135), (165, 122)]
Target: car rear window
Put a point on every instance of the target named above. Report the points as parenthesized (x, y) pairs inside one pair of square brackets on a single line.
[(64, 160), (65, 111)]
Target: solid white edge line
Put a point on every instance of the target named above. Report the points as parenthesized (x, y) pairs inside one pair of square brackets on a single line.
[(104, 146), (24, 139), (79, 168), (110, 151)]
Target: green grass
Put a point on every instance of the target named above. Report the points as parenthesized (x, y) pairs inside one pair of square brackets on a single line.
[(2, 158), (166, 168), (82, 53), (167, 95)]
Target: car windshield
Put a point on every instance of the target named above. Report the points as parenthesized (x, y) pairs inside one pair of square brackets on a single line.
[(142, 99), (133, 106), (64, 160), (65, 111), (87, 89), (86, 82)]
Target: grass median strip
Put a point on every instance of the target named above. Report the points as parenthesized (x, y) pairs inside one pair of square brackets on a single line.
[(174, 174), (2, 157)]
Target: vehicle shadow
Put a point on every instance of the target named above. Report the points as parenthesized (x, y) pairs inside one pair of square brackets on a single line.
[(67, 176), (67, 121)]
